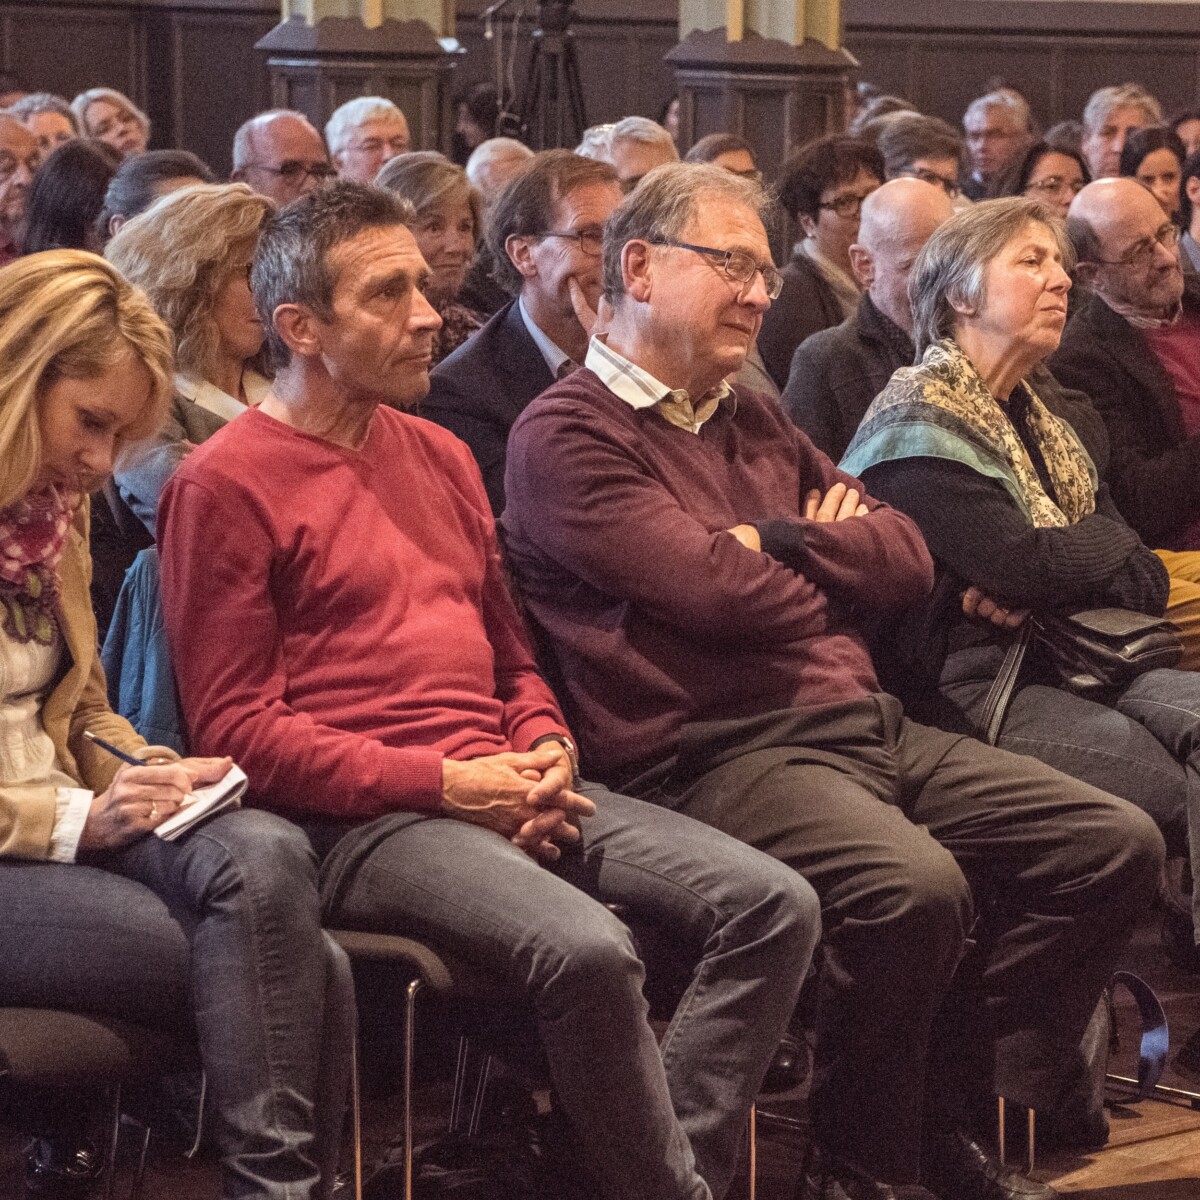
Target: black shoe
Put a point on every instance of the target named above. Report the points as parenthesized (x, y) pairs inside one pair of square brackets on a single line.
[(825, 1178), (956, 1168), (789, 1067), (61, 1170)]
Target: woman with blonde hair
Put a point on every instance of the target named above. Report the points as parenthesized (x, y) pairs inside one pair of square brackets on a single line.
[(112, 117), (219, 930), (190, 253), (447, 228)]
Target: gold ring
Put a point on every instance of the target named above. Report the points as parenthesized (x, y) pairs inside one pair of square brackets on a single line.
[(153, 810)]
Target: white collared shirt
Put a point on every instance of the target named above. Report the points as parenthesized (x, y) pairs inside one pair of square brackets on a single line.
[(550, 351), (220, 403), (639, 389)]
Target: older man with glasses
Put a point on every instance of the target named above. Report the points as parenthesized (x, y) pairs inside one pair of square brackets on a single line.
[(19, 161), (281, 155), (1134, 348)]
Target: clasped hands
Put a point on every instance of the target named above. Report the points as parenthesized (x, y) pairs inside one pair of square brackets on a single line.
[(524, 797)]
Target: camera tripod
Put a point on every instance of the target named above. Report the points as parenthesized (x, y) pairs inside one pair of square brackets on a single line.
[(552, 113)]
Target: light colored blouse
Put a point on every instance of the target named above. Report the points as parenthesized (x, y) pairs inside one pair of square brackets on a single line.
[(28, 757)]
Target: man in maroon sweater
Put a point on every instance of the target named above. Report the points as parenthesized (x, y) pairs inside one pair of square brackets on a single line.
[(709, 584), (339, 619)]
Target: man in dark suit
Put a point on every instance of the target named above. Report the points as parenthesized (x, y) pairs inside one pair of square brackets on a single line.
[(544, 235), (1134, 348)]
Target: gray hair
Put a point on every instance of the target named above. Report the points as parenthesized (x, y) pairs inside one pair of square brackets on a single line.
[(43, 102), (1106, 100), (595, 142), (905, 137), (1015, 106), (481, 158), (354, 113), (291, 265), (79, 107), (661, 206), (641, 129), (950, 269)]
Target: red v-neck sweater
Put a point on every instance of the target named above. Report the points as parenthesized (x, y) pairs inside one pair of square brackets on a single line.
[(615, 525), (338, 619)]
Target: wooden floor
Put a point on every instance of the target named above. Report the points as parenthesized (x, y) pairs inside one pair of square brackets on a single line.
[(1154, 1150)]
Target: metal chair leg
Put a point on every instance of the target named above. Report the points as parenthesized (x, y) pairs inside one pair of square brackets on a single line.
[(480, 1091), (113, 1137), (136, 1190), (1000, 1127), (356, 1118), (409, 1041), (1030, 1134), (199, 1117), (460, 1081), (753, 1150)]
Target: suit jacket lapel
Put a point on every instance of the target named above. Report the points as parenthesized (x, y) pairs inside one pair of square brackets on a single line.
[(520, 363)]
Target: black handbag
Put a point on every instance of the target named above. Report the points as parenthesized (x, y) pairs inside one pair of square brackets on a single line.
[(1095, 651), (1101, 650)]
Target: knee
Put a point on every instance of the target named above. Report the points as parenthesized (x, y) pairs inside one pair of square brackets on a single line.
[(928, 891), (593, 958), (254, 846), (1131, 847)]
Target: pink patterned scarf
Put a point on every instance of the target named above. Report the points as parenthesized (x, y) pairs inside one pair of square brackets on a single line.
[(33, 532)]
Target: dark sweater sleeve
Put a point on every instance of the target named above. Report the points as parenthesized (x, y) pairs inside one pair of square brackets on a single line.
[(808, 398), (975, 530), (1156, 488)]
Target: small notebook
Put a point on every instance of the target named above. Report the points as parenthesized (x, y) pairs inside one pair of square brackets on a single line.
[(205, 802)]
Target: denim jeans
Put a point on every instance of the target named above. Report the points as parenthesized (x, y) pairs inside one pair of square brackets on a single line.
[(653, 1121), (1143, 747), (270, 995)]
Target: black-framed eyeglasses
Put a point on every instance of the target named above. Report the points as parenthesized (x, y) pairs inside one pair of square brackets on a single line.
[(591, 241), (845, 206), (293, 170), (1142, 254), (949, 186), (738, 265)]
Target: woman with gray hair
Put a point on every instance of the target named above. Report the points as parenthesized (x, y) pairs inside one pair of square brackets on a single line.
[(1008, 499), (447, 227), (112, 117)]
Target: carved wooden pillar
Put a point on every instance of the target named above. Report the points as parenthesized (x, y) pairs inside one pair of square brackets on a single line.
[(773, 71), (325, 52)]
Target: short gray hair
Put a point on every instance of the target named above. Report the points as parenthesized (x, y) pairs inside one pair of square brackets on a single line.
[(1106, 100), (1015, 106), (354, 113), (950, 269), (640, 129), (291, 265), (595, 143), (79, 107), (661, 206), (43, 102)]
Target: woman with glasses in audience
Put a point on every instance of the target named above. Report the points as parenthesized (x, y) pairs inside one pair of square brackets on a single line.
[(112, 117), (1008, 500), (1154, 156), (191, 254), (822, 191), (218, 931), (67, 196), (1051, 175), (447, 229)]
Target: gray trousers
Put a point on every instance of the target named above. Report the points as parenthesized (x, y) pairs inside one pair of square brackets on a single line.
[(217, 933), (908, 835), (653, 1121)]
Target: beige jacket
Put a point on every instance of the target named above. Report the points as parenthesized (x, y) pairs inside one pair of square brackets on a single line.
[(79, 701)]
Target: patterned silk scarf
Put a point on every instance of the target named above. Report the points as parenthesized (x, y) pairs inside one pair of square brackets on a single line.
[(941, 408), (33, 532)]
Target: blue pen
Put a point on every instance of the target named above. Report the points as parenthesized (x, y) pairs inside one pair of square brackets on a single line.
[(91, 737)]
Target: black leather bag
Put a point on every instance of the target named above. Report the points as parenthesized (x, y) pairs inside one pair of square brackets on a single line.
[(1103, 650)]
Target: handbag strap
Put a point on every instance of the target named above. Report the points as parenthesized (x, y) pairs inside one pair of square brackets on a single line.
[(1000, 693)]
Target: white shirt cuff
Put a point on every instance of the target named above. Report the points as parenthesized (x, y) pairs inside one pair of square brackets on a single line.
[(73, 806)]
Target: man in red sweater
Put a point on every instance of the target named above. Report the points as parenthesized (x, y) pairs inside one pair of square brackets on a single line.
[(710, 584), (339, 621)]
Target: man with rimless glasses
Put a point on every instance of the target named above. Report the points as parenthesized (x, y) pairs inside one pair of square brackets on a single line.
[(544, 235), (280, 154), (1134, 348)]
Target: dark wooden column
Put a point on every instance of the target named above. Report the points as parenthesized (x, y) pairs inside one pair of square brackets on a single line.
[(772, 93), (316, 68)]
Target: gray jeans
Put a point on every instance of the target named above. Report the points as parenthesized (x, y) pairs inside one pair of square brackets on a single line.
[(218, 932), (662, 1121)]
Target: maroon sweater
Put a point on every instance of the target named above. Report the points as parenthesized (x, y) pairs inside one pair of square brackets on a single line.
[(338, 619), (656, 616)]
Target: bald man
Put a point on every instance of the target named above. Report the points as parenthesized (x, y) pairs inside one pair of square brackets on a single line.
[(495, 163), (837, 372), (1134, 347), (280, 154), (19, 159)]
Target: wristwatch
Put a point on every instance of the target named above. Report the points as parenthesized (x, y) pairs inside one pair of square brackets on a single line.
[(567, 744)]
